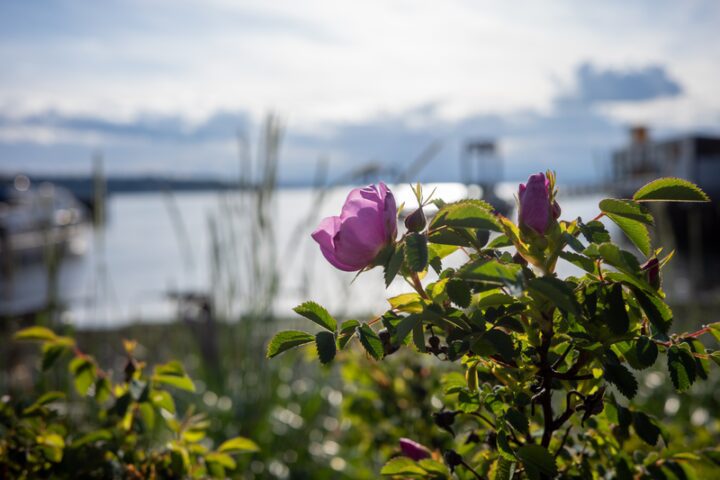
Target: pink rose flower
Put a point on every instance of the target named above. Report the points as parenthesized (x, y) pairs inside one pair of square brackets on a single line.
[(536, 211), (413, 450), (367, 223)]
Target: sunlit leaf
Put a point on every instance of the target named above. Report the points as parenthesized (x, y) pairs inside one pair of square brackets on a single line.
[(316, 313), (670, 190), (286, 340)]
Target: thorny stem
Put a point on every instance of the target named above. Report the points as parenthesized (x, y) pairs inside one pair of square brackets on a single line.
[(477, 475)]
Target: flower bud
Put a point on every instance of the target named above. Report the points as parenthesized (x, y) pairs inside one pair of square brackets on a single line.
[(652, 272), (416, 222), (536, 210), (413, 449), (452, 459)]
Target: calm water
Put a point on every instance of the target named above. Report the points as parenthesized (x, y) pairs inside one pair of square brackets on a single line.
[(154, 243)]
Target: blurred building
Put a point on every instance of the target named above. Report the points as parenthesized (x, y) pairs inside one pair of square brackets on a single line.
[(692, 229)]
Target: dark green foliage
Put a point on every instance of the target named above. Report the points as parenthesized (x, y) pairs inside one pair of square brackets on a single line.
[(541, 356)]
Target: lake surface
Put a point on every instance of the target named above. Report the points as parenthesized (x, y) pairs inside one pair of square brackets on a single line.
[(156, 243)]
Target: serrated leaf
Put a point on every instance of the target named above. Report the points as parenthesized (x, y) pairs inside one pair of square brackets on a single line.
[(370, 341), (406, 325), (556, 291), (286, 340), (537, 459), (238, 445), (452, 237), (416, 252), (670, 190), (681, 366), (35, 333), (317, 313), (326, 347), (658, 313), (466, 214), (616, 315), (459, 292), (491, 271), (636, 231), (401, 466), (622, 378), (181, 382), (393, 266), (407, 302), (594, 232), (581, 261), (646, 352), (504, 469), (646, 428), (626, 209)]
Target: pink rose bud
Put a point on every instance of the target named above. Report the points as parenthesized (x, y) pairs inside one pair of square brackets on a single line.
[(652, 272), (367, 223), (536, 211), (413, 450)]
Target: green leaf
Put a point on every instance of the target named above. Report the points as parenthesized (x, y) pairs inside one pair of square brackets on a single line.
[(504, 469), (518, 420), (620, 259), (316, 313), (466, 214), (402, 466), (92, 437), (537, 459), (406, 325), (616, 315), (657, 311), (370, 340), (83, 371), (407, 302), (556, 291), (626, 209), (620, 376), (594, 232), (181, 382), (681, 365), (715, 330), (51, 353), (419, 337), (453, 237), (393, 266), (646, 352), (238, 445), (35, 333), (636, 231), (491, 271), (416, 252), (494, 342), (581, 261), (670, 190), (163, 399), (286, 340), (325, 343), (459, 292), (646, 428), (222, 458)]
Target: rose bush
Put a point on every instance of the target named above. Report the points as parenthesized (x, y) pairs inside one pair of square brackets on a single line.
[(546, 365)]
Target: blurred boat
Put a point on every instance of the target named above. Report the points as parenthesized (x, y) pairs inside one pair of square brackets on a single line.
[(38, 220)]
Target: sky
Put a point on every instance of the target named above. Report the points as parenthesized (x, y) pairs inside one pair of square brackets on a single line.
[(165, 87)]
